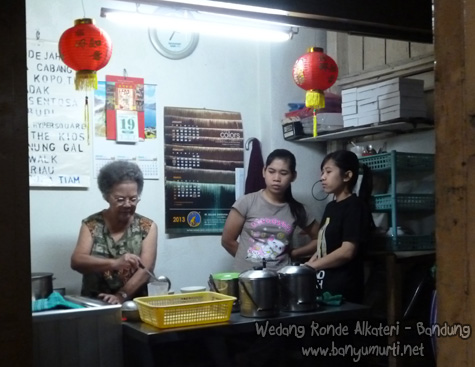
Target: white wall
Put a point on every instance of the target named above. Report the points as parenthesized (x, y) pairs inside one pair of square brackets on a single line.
[(252, 78)]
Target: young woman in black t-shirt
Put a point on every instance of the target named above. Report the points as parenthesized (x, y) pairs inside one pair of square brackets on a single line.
[(345, 227)]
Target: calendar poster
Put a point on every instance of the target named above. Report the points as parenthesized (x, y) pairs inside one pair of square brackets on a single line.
[(203, 156), (127, 143)]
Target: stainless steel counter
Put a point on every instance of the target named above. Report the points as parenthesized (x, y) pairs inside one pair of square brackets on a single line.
[(142, 341), (83, 337)]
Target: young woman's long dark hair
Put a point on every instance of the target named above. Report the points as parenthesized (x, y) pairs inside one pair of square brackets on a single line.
[(296, 208), (348, 161)]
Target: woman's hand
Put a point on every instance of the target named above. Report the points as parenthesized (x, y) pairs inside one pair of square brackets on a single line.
[(339, 257), (113, 299), (127, 261), (311, 264), (307, 250)]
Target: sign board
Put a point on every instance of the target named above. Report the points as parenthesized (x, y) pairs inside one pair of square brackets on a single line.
[(59, 144)]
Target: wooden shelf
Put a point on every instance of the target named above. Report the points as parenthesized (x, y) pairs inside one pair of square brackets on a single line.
[(397, 126)]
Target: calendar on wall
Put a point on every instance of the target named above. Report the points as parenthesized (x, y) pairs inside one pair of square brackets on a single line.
[(120, 132), (147, 164), (203, 164)]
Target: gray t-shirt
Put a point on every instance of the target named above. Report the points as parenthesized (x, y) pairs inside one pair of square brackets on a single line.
[(266, 233)]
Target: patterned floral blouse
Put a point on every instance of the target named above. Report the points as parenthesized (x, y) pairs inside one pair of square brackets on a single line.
[(105, 246)]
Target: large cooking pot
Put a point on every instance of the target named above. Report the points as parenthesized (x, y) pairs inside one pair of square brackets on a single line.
[(259, 293), (41, 285), (228, 284), (298, 288)]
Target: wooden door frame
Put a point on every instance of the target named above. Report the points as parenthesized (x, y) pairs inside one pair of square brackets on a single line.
[(15, 317), (455, 175)]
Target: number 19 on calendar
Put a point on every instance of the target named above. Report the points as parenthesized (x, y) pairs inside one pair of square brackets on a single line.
[(127, 126)]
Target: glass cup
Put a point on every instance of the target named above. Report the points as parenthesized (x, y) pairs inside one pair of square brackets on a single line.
[(157, 288)]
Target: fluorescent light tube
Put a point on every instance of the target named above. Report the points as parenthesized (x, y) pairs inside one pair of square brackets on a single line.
[(211, 24)]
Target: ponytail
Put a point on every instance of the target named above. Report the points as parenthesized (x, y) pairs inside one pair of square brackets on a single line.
[(296, 208)]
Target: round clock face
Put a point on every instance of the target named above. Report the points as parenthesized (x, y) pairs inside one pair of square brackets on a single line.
[(173, 44)]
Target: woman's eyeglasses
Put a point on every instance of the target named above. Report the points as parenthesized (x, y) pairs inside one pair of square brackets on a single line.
[(120, 200)]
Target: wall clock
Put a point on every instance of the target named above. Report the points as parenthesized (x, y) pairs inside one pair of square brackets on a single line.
[(173, 44)]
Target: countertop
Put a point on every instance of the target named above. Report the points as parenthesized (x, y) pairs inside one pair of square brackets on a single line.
[(149, 334)]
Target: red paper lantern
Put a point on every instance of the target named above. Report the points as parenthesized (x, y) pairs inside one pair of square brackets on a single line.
[(315, 71), (85, 48)]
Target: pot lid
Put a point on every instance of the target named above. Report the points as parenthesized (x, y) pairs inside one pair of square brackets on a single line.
[(258, 274), (296, 269), (225, 276)]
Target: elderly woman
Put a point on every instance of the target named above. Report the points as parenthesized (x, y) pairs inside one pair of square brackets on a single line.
[(114, 243)]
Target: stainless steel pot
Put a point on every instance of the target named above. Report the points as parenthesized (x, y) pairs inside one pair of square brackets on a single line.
[(228, 284), (259, 293), (41, 285), (298, 288)]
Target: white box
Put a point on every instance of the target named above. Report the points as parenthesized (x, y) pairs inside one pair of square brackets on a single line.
[(407, 87), (403, 101), (394, 112), (367, 104), (367, 118), (350, 121), (367, 91), (349, 108), (348, 95)]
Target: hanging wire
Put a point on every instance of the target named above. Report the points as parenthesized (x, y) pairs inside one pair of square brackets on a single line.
[(248, 142), (83, 9), (320, 195)]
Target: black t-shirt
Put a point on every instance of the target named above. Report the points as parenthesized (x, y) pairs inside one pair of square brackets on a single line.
[(346, 220)]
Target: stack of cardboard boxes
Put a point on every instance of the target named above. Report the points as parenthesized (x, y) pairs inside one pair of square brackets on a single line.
[(384, 101)]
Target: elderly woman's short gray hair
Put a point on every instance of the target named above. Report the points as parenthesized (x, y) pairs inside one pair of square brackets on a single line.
[(118, 172)]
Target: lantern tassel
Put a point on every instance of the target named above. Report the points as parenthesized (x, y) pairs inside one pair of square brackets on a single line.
[(315, 99), (315, 132), (85, 80)]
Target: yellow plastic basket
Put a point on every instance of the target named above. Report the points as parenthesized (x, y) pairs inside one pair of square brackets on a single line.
[(185, 309)]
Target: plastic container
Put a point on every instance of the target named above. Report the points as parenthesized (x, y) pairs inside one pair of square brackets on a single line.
[(185, 309), (399, 160), (409, 202)]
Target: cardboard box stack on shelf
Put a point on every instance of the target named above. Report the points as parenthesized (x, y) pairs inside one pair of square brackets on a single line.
[(384, 101)]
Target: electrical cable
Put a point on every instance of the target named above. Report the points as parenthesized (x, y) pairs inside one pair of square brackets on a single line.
[(320, 195)]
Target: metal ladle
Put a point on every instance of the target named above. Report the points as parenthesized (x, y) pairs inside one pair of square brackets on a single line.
[(161, 278), (142, 266)]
